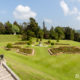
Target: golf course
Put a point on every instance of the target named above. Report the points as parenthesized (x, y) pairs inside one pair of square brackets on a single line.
[(41, 65)]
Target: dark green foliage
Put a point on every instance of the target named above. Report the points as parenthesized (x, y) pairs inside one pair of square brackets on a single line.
[(77, 37), (60, 33), (29, 42), (24, 37), (52, 43), (46, 32), (33, 30), (33, 26), (2, 28), (52, 33), (29, 34), (49, 41), (40, 34), (9, 45), (8, 27), (37, 40), (69, 33)]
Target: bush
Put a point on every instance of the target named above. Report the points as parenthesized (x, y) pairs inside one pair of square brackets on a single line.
[(40, 39), (37, 40), (49, 42), (52, 43), (29, 42), (9, 45)]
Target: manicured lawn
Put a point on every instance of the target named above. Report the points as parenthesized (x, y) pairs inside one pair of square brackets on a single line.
[(43, 66)]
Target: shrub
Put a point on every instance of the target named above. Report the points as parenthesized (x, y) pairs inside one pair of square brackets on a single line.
[(29, 42), (9, 45), (52, 43), (37, 40), (57, 40), (40, 39), (49, 42)]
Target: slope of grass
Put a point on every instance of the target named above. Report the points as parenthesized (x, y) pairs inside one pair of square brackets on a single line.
[(9, 38), (43, 66)]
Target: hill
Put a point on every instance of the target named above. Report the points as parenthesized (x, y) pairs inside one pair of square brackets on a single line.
[(43, 66), (9, 38)]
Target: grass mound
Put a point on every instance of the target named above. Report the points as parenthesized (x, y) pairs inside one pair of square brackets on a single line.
[(9, 38), (42, 66)]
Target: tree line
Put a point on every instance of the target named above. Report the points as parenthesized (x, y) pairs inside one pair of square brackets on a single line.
[(31, 29)]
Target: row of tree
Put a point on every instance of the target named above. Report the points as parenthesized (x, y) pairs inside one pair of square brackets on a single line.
[(9, 28), (32, 29)]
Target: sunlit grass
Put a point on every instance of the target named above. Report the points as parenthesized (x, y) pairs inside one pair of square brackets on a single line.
[(43, 66)]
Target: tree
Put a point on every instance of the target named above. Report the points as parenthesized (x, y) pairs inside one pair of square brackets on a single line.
[(40, 34), (76, 36), (20, 26), (60, 33), (46, 32), (24, 24), (72, 34), (24, 36), (15, 29), (33, 26), (8, 27), (69, 33), (30, 34), (52, 33), (2, 28)]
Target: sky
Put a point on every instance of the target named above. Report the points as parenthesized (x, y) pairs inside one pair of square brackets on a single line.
[(53, 12)]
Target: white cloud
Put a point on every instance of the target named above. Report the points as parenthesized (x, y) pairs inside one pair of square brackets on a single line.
[(78, 17), (75, 11), (67, 11), (65, 7), (79, 0), (49, 21), (23, 12)]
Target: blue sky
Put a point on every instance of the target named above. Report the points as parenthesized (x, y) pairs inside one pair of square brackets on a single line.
[(53, 12)]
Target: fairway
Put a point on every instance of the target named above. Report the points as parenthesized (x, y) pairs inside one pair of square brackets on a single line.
[(43, 66)]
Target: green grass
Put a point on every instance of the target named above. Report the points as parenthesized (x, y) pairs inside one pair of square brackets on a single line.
[(9, 38), (43, 66)]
